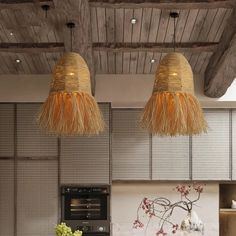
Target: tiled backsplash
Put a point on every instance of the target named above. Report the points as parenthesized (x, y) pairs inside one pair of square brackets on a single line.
[(127, 196)]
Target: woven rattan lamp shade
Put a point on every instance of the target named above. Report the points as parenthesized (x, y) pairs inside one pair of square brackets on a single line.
[(173, 109), (70, 109)]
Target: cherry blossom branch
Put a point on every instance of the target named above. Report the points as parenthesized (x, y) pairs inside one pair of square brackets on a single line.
[(162, 208)]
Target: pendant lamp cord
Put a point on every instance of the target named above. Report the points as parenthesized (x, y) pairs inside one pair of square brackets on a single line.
[(174, 35), (71, 25), (174, 15), (71, 40)]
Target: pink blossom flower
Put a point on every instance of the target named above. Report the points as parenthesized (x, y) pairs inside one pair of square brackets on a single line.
[(183, 189), (198, 188), (137, 224), (161, 232)]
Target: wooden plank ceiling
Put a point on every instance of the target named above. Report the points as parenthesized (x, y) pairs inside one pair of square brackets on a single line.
[(27, 24), (38, 38), (108, 41), (153, 25)]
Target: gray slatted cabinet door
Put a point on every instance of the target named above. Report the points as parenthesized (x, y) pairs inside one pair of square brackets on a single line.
[(6, 130), (31, 141), (234, 145), (211, 153), (170, 158), (37, 198), (6, 198), (130, 147), (85, 160)]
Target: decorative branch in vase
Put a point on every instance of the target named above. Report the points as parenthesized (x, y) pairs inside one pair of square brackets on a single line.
[(162, 209)]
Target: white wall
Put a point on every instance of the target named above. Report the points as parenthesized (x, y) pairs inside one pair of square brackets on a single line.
[(121, 90), (134, 91), (127, 196), (24, 88)]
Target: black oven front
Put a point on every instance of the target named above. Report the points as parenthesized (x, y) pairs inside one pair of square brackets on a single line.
[(87, 208)]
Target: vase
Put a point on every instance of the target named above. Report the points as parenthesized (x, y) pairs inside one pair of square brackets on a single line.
[(192, 223)]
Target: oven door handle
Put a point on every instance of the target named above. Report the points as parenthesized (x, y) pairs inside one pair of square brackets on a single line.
[(84, 194)]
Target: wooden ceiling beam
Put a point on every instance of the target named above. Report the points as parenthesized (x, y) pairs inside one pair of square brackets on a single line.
[(32, 47), (155, 47), (21, 3), (164, 4), (221, 70)]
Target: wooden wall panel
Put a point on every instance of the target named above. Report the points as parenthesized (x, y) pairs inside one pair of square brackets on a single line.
[(211, 151), (31, 141), (6, 198), (130, 147), (37, 198), (6, 130)]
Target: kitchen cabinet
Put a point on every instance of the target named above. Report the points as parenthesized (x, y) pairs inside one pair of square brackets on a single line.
[(37, 197), (6, 198), (31, 141), (86, 160), (170, 158), (130, 146), (211, 151), (234, 144), (227, 214), (7, 130)]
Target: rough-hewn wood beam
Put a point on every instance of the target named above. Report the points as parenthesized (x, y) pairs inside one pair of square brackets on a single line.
[(163, 4), (31, 47), (221, 69), (155, 47), (20, 3)]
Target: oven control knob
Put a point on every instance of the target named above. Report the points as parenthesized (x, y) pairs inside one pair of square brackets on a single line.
[(101, 229), (85, 228)]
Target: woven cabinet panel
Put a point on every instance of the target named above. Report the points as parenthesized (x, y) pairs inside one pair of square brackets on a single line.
[(31, 141), (211, 155), (85, 160), (37, 199), (6, 198), (170, 158), (234, 145), (130, 147), (6, 130)]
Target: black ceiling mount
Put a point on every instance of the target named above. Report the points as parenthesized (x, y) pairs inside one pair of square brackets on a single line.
[(70, 25), (174, 14), (45, 7)]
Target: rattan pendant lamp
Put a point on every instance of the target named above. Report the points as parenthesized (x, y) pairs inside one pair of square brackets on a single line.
[(70, 108), (173, 108)]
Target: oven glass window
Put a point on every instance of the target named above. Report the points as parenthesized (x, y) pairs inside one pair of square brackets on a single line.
[(86, 207)]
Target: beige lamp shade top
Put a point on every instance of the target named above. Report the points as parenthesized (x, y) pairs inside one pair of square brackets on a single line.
[(70, 108), (71, 74), (173, 109), (174, 74)]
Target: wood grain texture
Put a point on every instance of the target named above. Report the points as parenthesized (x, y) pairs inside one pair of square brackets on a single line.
[(221, 70), (227, 218), (163, 4), (155, 47), (31, 47)]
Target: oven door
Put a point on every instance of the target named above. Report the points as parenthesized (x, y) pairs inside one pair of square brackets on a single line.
[(85, 206)]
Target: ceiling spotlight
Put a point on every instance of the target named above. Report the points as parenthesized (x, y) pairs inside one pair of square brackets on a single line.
[(153, 61), (18, 61), (133, 21), (11, 33)]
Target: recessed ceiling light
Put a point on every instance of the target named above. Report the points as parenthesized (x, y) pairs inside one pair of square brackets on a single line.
[(133, 21), (11, 33), (153, 61), (18, 61)]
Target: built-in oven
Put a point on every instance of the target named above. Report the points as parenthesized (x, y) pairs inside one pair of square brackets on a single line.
[(87, 208)]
